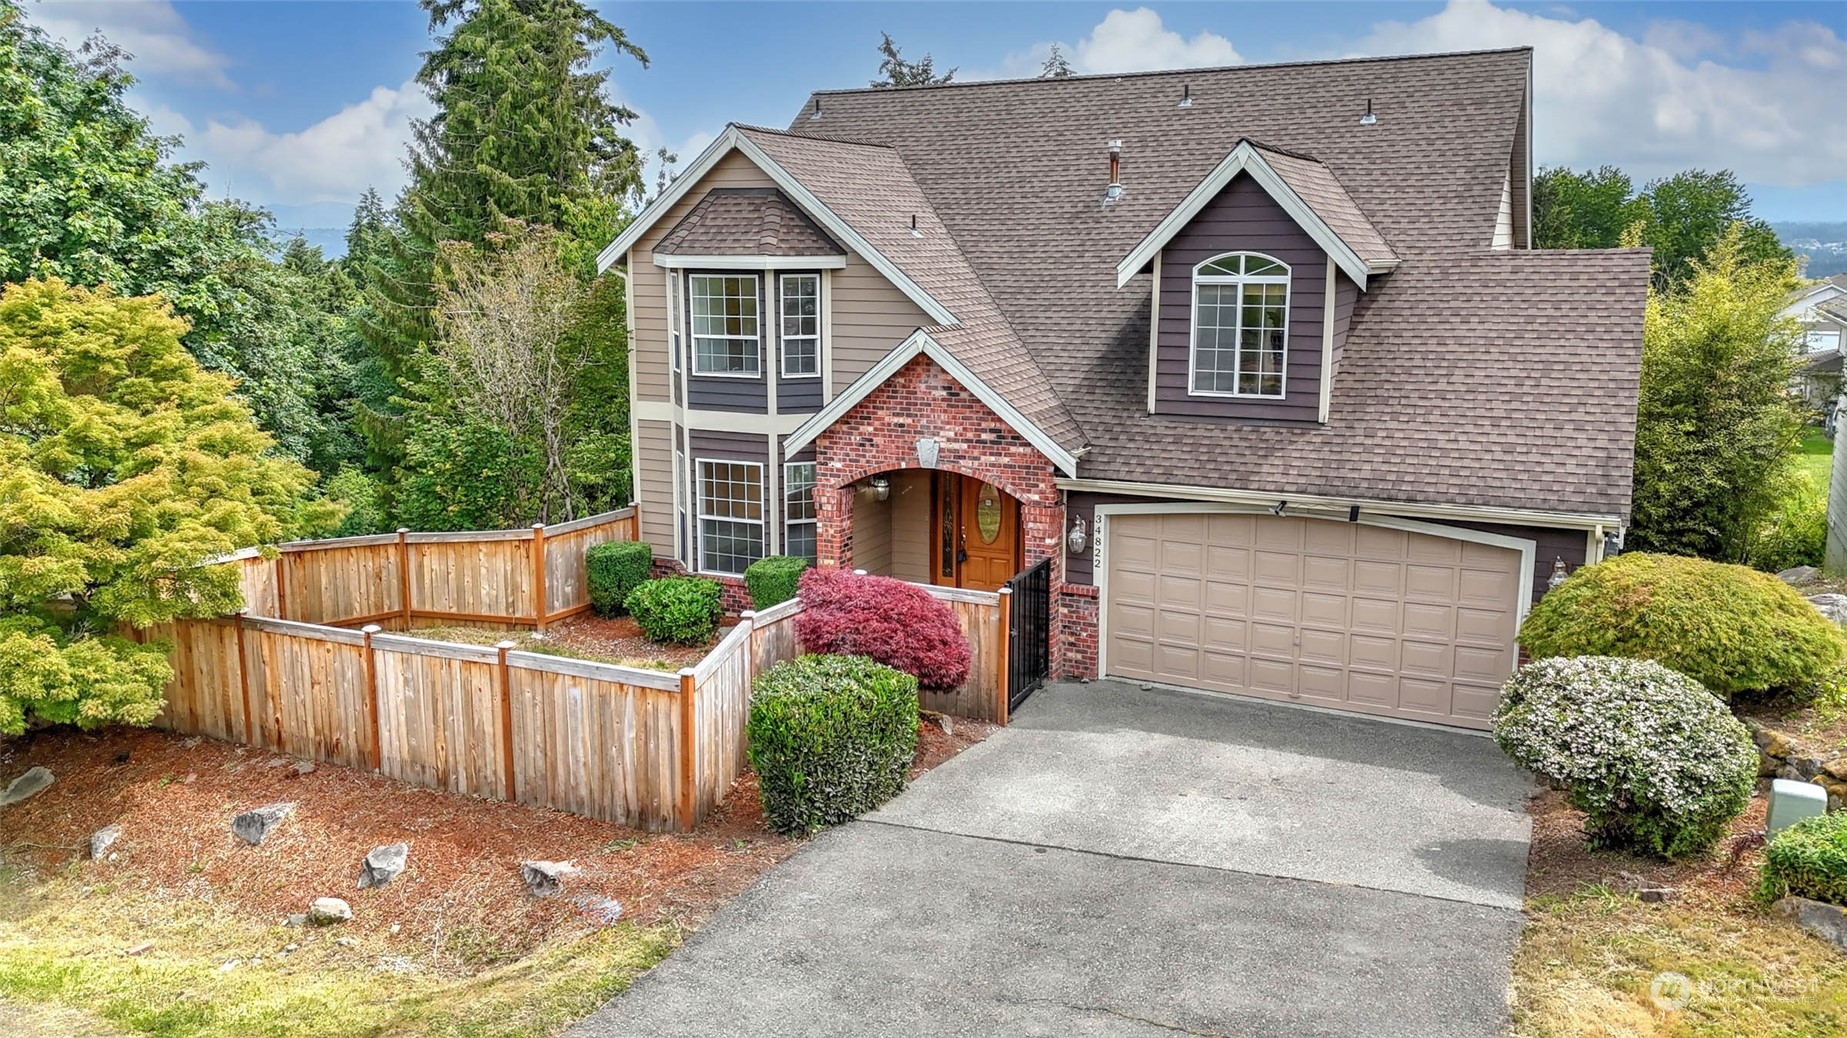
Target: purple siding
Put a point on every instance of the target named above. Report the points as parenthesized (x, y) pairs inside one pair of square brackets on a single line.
[(1243, 218)]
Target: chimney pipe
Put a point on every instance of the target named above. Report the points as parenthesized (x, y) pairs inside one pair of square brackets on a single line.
[(1115, 167)]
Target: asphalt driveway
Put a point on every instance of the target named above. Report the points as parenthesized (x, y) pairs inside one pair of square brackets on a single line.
[(1130, 862)]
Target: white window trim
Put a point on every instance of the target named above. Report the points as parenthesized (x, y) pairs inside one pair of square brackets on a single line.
[(813, 486), (700, 516), (693, 367), (782, 354), (676, 314), (1192, 346)]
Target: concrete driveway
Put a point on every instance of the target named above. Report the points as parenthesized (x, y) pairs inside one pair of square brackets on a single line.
[(1130, 862)]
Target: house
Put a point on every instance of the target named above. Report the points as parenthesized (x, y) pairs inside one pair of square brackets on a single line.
[(1821, 309), (1258, 360)]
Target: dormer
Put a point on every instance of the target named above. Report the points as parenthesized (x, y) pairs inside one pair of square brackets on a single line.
[(1256, 274)]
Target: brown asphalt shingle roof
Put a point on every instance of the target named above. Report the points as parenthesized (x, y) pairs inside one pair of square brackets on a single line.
[(1468, 376), (746, 221)]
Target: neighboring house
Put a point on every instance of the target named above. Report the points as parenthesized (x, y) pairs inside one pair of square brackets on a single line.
[(1821, 309), (1271, 338)]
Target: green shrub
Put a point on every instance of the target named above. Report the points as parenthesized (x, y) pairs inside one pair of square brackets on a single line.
[(1808, 859), (830, 737), (676, 610), (616, 568), (1658, 763), (1796, 534), (772, 580), (1730, 628)]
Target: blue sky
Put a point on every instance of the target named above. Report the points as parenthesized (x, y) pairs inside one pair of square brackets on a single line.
[(300, 105)]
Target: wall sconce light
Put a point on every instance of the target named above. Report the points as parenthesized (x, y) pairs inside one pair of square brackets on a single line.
[(1559, 573), (1281, 506), (1079, 537), (881, 488)]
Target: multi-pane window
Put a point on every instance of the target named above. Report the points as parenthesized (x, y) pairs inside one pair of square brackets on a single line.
[(798, 509), (730, 515), (726, 336), (1240, 326), (801, 325)]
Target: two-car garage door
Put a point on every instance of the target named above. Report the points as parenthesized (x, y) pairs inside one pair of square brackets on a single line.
[(1354, 616)]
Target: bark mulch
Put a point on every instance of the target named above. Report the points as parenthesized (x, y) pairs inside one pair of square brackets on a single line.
[(1559, 862)]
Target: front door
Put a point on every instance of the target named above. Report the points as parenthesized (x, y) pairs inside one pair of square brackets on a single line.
[(976, 535)]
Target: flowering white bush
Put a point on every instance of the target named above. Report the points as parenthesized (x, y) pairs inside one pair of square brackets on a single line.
[(1657, 761)]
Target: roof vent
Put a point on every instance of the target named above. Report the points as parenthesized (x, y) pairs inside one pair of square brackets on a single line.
[(817, 109), (1115, 171), (1365, 120), (1186, 96), (915, 233)]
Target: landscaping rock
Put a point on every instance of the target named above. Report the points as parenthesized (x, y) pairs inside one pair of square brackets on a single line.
[(1837, 768), (326, 911), (253, 825), (304, 767), (383, 864), (545, 878), (103, 839), (1799, 576), (599, 911), (140, 949), (1828, 922), (33, 782), (298, 919), (1832, 606), (1645, 889)]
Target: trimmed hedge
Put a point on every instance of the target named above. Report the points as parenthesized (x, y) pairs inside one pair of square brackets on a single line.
[(898, 624), (1808, 859), (1658, 763), (677, 610), (772, 580), (615, 569), (1730, 628), (829, 737)]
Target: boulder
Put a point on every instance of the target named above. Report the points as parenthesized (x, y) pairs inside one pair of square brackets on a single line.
[(32, 782), (1799, 576), (1828, 922), (1832, 606), (326, 911), (1837, 768), (253, 825), (383, 864), (103, 839), (545, 878)]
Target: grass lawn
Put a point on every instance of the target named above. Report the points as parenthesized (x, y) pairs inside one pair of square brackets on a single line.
[(1817, 458)]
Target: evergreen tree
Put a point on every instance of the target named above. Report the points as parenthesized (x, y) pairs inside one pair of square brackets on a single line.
[(1056, 66), (901, 73)]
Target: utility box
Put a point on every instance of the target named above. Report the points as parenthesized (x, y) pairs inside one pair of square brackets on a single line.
[(1792, 801)]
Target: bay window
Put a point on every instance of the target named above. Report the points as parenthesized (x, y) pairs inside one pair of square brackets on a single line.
[(727, 339), (730, 515)]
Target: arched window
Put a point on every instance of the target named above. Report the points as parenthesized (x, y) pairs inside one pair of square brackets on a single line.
[(1240, 326)]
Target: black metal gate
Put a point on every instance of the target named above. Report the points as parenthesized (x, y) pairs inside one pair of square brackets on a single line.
[(1029, 638)]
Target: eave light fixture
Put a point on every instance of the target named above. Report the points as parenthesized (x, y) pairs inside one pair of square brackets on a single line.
[(881, 488)]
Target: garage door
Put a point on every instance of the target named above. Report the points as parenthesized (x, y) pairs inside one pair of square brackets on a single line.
[(1344, 615)]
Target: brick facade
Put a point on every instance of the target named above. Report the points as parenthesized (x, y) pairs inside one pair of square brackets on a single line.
[(880, 435), (1075, 628)]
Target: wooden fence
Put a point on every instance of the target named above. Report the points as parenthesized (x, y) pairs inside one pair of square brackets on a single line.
[(642, 747)]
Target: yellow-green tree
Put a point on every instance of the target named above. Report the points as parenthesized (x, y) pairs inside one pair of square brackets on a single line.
[(124, 466)]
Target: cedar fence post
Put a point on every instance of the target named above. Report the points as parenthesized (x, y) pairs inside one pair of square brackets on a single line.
[(282, 585), (538, 575), (506, 721), (1006, 651), (689, 769), (375, 752), (243, 680), (404, 573)]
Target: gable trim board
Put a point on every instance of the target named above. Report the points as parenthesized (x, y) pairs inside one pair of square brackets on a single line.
[(677, 261), (921, 343), (733, 140), (1246, 159), (1322, 505)]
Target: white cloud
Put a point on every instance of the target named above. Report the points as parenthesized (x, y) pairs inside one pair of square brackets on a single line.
[(333, 160), (1665, 102), (1124, 41), (151, 30)]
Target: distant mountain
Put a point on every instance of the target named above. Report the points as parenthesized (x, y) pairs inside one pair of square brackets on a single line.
[(332, 240), (1825, 244)]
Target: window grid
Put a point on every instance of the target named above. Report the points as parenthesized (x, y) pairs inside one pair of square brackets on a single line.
[(1240, 326), (798, 510), (801, 325), (726, 336), (730, 515)]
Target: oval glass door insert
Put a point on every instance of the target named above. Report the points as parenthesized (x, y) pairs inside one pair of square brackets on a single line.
[(987, 514)]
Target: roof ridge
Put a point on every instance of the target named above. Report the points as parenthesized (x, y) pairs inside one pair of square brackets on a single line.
[(860, 142), (1292, 153), (1151, 73)]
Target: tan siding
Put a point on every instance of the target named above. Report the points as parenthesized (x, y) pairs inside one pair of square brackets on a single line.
[(654, 477), (871, 534), (650, 368), (910, 526), (871, 317)]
